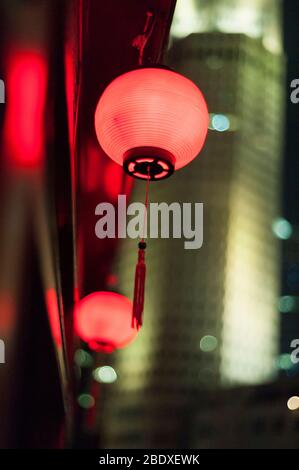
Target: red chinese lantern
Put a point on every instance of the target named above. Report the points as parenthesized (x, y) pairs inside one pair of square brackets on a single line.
[(102, 320), (152, 121)]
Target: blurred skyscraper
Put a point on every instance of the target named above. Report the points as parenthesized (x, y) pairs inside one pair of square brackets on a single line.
[(211, 314), (258, 19)]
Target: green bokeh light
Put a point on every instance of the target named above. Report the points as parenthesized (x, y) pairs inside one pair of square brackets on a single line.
[(83, 358), (284, 362), (208, 343), (105, 374), (282, 228), (86, 401), (286, 304)]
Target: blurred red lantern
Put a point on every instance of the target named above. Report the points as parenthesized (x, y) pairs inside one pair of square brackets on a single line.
[(152, 120), (103, 320)]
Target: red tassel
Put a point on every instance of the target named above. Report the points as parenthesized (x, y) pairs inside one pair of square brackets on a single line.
[(139, 287)]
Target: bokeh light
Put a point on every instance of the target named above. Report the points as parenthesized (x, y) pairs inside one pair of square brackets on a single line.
[(105, 374), (282, 228), (219, 122), (286, 304), (83, 358), (284, 362), (293, 403), (86, 401), (208, 343)]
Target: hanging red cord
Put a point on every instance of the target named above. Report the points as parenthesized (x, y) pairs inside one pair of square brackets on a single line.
[(140, 272)]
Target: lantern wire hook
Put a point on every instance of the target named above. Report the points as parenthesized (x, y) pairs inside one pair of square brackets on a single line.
[(140, 41)]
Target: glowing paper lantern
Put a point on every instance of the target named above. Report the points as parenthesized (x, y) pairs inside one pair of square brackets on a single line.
[(152, 120), (103, 320)]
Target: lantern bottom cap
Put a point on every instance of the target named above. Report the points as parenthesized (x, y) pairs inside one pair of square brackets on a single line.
[(149, 162)]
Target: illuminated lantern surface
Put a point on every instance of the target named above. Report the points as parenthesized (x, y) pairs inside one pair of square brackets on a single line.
[(103, 320), (152, 121)]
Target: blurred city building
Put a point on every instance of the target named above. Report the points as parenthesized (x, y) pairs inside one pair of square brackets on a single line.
[(218, 325), (288, 303), (260, 19), (248, 417)]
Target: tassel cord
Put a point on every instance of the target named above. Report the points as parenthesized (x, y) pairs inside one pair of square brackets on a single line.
[(140, 272)]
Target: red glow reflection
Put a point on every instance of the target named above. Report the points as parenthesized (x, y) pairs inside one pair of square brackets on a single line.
[(91, 167), (26, 92), (113, 180), (53, 314), (128, 185), (7, 313), (111, 280)]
